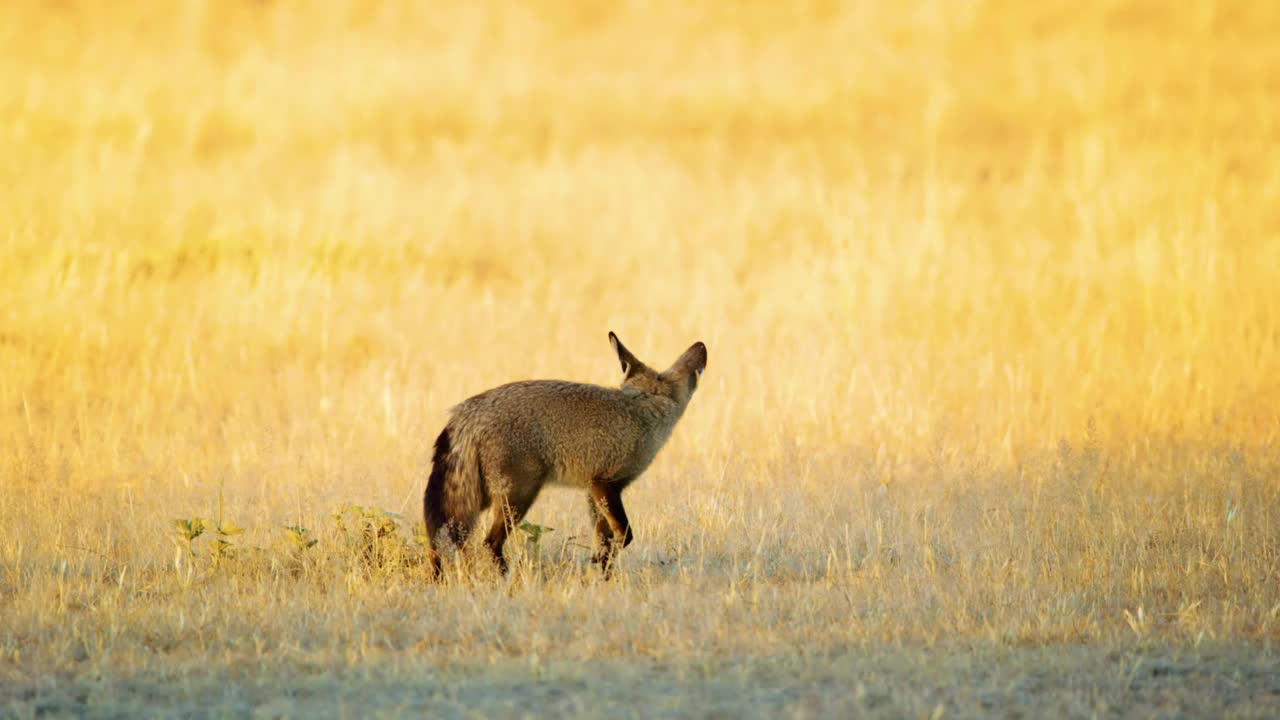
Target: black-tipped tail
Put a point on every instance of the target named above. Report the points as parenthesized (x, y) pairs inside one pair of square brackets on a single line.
[(433, 498)]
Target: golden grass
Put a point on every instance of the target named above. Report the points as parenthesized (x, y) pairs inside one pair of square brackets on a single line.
[(989, 290)]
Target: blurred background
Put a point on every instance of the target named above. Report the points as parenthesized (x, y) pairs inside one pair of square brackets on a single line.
[(988, 287), (264, 245)]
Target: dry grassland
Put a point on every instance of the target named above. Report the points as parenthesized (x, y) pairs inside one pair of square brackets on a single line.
[(990, 421)]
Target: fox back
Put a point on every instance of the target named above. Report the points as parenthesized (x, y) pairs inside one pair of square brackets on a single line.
[(503, 445)]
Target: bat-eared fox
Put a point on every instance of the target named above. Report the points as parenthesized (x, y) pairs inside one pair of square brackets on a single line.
[(502, 446)]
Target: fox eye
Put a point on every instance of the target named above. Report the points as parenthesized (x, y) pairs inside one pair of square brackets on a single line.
[(698, 372)]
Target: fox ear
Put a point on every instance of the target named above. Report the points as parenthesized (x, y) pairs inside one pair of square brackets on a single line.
[(692, 362), (629, 361)]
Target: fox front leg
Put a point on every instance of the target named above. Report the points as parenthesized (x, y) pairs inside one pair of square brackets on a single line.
[(613, 530), (603, 534)]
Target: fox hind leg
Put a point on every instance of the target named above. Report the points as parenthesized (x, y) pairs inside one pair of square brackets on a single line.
[(509, 508)]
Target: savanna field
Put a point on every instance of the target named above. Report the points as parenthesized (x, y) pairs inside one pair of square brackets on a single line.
[(991, 292)]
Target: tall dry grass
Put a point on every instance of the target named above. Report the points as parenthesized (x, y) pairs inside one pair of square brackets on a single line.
[(988, 287)]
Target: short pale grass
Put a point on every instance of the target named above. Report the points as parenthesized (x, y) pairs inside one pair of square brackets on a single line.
[(989, 290)]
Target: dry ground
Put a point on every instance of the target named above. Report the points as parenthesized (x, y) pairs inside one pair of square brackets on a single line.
[(989, 426), (1072, 681)]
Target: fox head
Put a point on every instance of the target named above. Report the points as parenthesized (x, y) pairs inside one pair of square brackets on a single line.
[(676, 382)]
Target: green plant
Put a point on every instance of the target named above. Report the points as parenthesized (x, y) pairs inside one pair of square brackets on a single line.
[(221, 548), (533, 536), (371, 534), (300, 537), (188, 529)]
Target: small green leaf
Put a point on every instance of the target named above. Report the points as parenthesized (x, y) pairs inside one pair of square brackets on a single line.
[(534, 531), (300, 536), (190, 528), (229, 528), (220, 548)]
